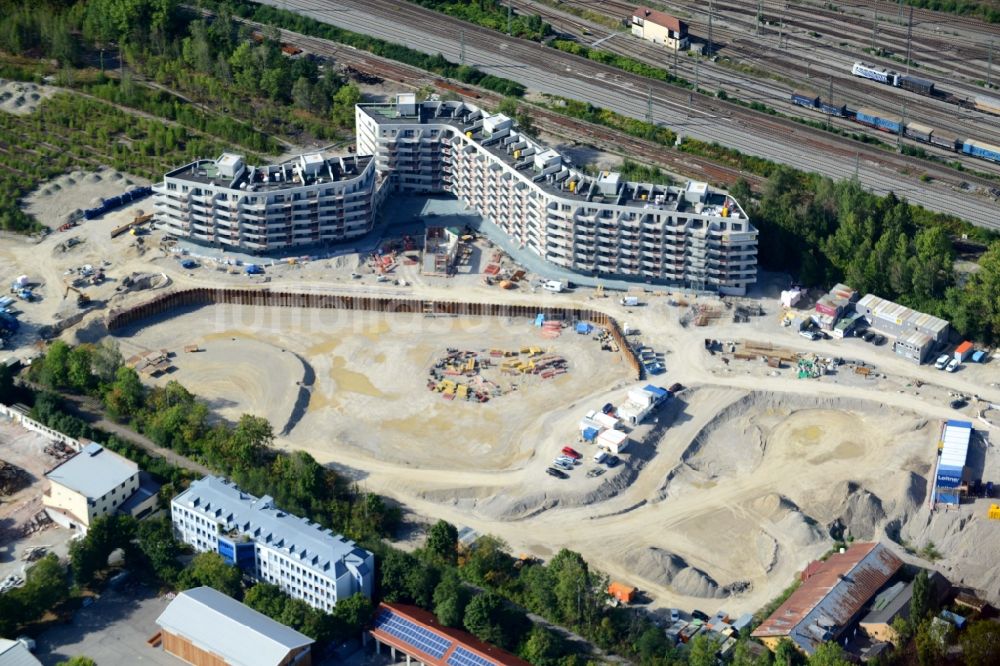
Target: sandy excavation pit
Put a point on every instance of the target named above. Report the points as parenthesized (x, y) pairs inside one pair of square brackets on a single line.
[(356, 383)]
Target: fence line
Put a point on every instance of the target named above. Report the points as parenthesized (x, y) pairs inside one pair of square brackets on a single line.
[(29, 423), (165, 302)]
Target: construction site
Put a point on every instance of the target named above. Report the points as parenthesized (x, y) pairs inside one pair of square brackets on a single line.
[(428, 382)]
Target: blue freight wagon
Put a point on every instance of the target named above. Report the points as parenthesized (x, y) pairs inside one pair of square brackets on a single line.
[(983, 150), (880, 121), (833, 109), (805, 99)]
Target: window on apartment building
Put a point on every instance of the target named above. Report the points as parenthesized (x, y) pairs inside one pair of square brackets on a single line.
[(171, 186)]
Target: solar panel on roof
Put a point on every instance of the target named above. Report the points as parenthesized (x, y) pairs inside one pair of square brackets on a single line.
[(463, 657), (413, 634)]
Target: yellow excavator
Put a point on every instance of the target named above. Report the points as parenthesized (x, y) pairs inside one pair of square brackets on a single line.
[(81, 298)]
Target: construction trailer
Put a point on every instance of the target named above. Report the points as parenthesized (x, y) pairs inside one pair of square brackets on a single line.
[(613, 441)]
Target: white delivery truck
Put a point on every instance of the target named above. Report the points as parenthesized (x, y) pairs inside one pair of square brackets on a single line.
[(630, 301)]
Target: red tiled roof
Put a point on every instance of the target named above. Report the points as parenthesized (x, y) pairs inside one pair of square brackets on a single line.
[(461, 638), (836, 590), (659, 18)]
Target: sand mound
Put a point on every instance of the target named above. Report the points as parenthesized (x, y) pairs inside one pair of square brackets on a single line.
[(671, 569), (21, 97)]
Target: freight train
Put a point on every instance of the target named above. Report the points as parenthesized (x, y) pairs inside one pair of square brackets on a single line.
[(894, 124), (923, 87)]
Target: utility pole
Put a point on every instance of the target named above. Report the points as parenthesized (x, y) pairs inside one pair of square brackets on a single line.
[(989, 68), (900, 19), (875, 26), (649, 105), (758, 17), (909, 35), (510, 12), (781, 31), (461, 53), (710, 8), (676, 49), (830, 102), (899, 137)]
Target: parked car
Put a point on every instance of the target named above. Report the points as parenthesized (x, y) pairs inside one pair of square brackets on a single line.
[(953, 365), (558, 473), (942, 361), (676, 387), (566, 459), (608, 408), (675, 615), (879, 340), (811, 335), (698, 615), (868, 336), (571, 452), (562, 465), (958, 404), (612, 461)]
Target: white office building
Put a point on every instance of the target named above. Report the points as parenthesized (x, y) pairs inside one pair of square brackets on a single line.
[(304, 559), (690, 236)]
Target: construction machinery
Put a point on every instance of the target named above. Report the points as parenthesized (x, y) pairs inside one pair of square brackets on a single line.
[(82, 299)]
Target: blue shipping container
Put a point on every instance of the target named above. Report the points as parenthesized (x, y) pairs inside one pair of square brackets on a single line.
[(869, 117), (805, 100), (985, 151), (833, 109)]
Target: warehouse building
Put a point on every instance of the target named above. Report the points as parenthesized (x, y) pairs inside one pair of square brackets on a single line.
[(914, 333), (687, 236), (894, 603), (93, 483), (309, 200), (305, 560), (832, 595), (660, 28), (205, 627), (416, 634), (953, 451)]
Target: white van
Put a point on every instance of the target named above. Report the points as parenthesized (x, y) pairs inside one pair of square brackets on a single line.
[(630, 301), (553, 285), (600, 456)]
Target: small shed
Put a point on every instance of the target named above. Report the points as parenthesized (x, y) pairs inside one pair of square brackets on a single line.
[(614, 441), (590, 434)]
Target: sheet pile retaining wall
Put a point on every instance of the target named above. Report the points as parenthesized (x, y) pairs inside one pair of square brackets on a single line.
[(165, 302)]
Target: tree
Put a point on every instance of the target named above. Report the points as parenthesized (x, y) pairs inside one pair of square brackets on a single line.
[(211, 570), (104, 535), (394, 569), (267, 599), (106, 360), (920, 601), (78, 374), (450, 599), (125, 396), (489, 620), (160, 548), (981, 643), (543, 647), (743, 656), (703, 651), (442, 543), (45, 585), (251, 438), (786, 654), (930, 647), (652, 643), (488, 563), (829, 654), (352, 614), (78, 660), (55, 366)]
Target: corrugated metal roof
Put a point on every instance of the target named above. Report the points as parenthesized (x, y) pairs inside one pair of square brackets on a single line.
[(14, 653), (237, 633), (827, 600), (94, 472)]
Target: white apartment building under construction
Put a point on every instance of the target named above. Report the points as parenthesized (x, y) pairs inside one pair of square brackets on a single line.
[(597, 225), (592, 224)]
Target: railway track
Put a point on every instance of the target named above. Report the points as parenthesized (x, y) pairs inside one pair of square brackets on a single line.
[(600, 137), (708, 119), (848, 89)]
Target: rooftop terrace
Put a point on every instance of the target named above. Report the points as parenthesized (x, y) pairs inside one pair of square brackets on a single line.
[(230, 170)]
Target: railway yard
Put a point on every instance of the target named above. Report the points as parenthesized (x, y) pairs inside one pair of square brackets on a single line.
[(930, 184)]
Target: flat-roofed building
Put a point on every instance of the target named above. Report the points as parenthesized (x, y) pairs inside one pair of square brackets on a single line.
[(915, 333), (203, 626), (304, 559), (660, 28), (690, 236), (93, 483), (309, 200)]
